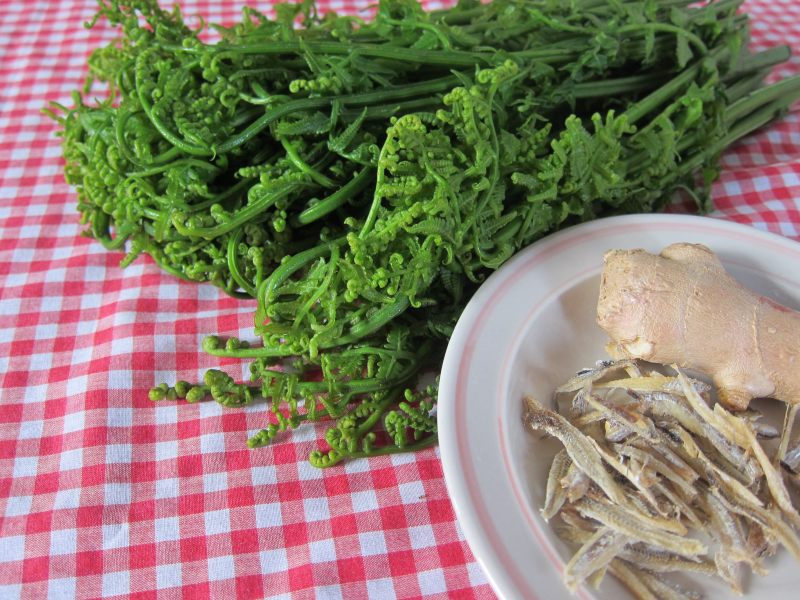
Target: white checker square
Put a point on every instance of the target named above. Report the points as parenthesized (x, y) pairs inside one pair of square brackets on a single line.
[(17, 506), (305, 470), (268, 515), (119, 417), (117, 493), (167, 529), (40, 361), (218, 521), (411, 492), (215, 482), (12, 548), (329, 592), (68, 498), (212, 442), (120, 379), (166, 450), (84, 354), (476, 575), (29, 430), (372, 543), (121, 346), (71, 459), (116, 536), (166, 488), (316, 509), (46, 331), (91, 301), (37, 393), (403, 458), (94, 273), (56, 275), (25, 466), (166, 413), (118, 453), (358, 465), (432, 582), (273, 561), (322, 551), (380, 589), (63, 541), (168, 576), (11, 591), (421, 536), (77, 385), (74, 421), (264, 475), (58, 589), (221, 568), (364, 501), (116, 584), (9, 306)]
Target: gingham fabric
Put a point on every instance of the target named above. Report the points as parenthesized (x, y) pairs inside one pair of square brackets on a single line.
[(106, 494)]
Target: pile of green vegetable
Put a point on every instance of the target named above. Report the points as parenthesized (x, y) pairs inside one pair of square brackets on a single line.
[(360, 179)]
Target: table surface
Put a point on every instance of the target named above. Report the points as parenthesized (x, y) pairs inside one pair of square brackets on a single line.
[(104, 493)]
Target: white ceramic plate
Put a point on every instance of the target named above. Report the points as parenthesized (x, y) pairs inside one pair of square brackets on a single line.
[(528, 328)]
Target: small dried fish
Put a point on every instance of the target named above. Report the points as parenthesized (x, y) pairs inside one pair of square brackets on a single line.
[(628, 575), (639, 528), (595, 553), (652, 473), (591, 375), (582, 450), (575, 483), (664, 562), (555, 495), (788, 425)]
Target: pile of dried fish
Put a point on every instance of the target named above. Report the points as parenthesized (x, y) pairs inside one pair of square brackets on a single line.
[(655, 478)]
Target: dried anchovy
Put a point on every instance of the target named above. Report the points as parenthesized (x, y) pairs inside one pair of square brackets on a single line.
[(686, 469)]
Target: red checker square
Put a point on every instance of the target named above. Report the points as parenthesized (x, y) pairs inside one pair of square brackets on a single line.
[(93, 475), (8, 447), (402, 563), (142, 556), (196, 591), (189, 466), (344, 525), (393, 517), (351, 569), (35, 569), (290, 490), (142, 511), (301, 578), (38, 522), (191, 504), (89, 562), (89, 516), (249, 586), (144, 595), (236, 460), (143, 434), (14, 379), (59, 373), (284, 454), (95, 436), (193, 548), (295, 534), (55, 408), (142, 472), (241, 496), (336, 484), (189, 429), (50, 444), (441, 511), (384, 478), (451, 554), (245, 541)]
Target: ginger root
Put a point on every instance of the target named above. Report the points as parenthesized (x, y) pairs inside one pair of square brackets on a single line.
[(682, 307)]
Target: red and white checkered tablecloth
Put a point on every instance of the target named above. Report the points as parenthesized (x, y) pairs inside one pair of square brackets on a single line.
[(104, 493)]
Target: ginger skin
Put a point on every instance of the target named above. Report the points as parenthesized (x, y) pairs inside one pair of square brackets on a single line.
[(682, 307)]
